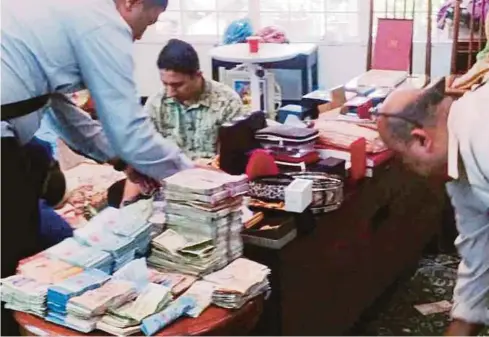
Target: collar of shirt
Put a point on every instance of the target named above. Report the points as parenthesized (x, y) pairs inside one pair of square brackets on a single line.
[(204, 99), (456, 120)]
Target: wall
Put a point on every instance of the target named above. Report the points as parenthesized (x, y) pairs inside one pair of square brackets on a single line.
[(337, 63)]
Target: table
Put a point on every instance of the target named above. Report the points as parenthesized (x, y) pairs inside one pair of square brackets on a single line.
[(239, 53), (324, 280), (213, 321)]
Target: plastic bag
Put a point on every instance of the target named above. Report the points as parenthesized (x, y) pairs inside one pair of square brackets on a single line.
[(238, 31)]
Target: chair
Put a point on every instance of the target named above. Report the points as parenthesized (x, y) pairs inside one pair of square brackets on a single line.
[(393, 47)]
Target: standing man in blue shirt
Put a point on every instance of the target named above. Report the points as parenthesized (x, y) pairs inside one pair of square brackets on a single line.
[(55, 47)]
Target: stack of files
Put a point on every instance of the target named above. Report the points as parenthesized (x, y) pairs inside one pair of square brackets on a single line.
[(59, 294), (174, 253), (239, 282), (178, 283), (46, 270), (22, 293), (152, 299), (71, 251), (120, 248), (96, 302)]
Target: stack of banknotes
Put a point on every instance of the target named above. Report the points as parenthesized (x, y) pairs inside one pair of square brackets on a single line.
[(177, 282), (46, 270), (59, 294), (153, 298), (239, 282), (175, 253), (73, 252), (96, 302), (22, 293), (203, 217)]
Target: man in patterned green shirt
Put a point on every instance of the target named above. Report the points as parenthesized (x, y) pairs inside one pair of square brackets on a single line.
[(190, 109)]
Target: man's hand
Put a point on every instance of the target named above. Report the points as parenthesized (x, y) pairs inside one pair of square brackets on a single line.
[(146, 184), (461, 328)]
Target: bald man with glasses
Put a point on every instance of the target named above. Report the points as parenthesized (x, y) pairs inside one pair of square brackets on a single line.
[(438, 136)]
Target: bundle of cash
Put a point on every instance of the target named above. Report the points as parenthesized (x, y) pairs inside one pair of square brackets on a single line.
[(71, 251), (72, 322), (240, 281), (46, 270), (130, 330), (204, 185), (178, 283), (151, 300), (158, 321), (59, 294), (96, 302), (22, 293), (201, 292), (176, 253), (120, 248)]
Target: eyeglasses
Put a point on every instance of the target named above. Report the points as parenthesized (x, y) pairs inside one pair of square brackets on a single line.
[(375, 112)]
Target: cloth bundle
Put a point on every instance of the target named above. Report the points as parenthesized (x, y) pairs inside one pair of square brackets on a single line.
[(343, 134)]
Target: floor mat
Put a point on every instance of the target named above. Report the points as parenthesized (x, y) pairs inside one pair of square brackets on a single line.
[(394, 314)]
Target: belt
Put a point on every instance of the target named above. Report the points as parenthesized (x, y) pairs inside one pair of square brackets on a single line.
[(23, 108)]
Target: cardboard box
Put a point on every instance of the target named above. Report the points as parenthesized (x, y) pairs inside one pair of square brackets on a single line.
[(298, 195)]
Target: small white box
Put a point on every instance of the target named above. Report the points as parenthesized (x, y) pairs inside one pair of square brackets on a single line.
[(298, 195)]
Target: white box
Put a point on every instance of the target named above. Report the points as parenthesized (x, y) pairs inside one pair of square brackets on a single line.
[(298, 195)]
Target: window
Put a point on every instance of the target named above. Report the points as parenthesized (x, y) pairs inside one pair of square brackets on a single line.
[(331, 21)]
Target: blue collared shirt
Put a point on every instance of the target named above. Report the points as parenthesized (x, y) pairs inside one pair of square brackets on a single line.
[(63, 46), (469, 192)]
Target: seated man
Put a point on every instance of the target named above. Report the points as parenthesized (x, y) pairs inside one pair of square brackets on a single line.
[(189, 109), (437, 136)]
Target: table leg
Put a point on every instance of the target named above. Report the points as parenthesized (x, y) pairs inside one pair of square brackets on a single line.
[(255, 88)]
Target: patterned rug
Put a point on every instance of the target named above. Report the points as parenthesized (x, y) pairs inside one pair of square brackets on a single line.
[(394, 313)]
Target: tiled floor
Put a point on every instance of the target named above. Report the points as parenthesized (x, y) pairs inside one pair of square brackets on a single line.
[(394, 314)]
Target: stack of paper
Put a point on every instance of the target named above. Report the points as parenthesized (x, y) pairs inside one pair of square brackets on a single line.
[(71, 251), (47, 270), (59, 294), (239, 282), (97, 301), (22, 293), (203, 208), (157, 218)]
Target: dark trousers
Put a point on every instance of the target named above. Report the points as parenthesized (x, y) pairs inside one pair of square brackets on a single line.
[(19, 214)]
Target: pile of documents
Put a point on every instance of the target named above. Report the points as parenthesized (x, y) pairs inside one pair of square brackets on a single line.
[(127, 318), (239, 282), (71, 251), (22, 293), (58, 296), (203, 217)]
